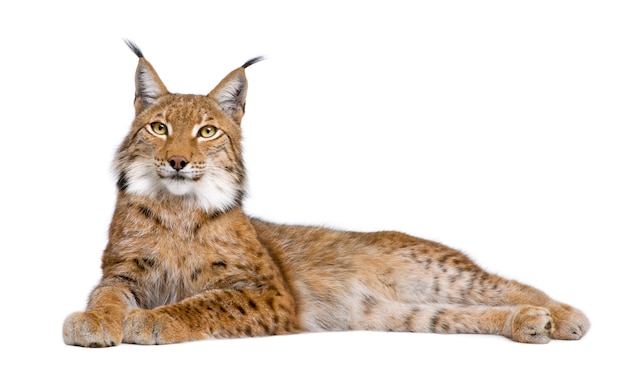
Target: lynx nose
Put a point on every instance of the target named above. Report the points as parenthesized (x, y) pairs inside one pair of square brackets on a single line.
[(178, 162)]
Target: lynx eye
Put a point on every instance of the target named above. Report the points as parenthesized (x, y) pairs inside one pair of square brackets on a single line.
[(207, 131), (159, 128)]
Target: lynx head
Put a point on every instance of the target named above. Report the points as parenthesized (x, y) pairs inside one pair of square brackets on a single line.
[(185, 147)]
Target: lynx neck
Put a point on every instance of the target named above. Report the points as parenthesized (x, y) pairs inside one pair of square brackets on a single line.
[(177, 216)]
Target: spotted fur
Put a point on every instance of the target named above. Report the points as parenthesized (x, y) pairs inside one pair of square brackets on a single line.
[(184, 262)]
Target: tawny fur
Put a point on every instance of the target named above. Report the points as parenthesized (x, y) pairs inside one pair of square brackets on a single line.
[(184, 262)]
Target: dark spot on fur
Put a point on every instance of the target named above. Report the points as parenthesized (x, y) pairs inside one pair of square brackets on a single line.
[(368, 304), (122, 182), (218, 264), (216, 214), (265, 328), (408, 321), (197, 228), (126, 278), (136, 297), (140, 264), (287, 325), (196, 273), (444, 258), (145, 211), (434, 320), (149, 214)]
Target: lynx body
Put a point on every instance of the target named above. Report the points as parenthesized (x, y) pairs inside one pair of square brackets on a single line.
[(184, 262)]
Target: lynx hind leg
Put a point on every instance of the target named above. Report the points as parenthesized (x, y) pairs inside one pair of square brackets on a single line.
[(521, 323), (569, 323)]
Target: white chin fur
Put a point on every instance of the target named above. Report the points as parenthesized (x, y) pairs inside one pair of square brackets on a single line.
[(178, 187), (217, 190)]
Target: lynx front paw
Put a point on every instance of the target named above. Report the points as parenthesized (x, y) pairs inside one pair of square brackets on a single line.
[(532, 325), (147, 327), (89, 329), (569, 323)]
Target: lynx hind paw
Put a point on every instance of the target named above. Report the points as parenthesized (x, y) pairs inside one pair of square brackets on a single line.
[(89, 330), (569, 323), (532, 325)]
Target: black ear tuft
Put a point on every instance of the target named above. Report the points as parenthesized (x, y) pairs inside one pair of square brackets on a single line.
[(253, 61), (134, 47), (148, 86)]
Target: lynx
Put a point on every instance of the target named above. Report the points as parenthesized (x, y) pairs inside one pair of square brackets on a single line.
[(184, 262)]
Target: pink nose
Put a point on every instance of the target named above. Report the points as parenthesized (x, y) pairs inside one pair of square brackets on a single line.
[(178, 162)]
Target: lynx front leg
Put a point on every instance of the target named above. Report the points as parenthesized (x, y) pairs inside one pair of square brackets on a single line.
[(218, 313), (101, 324)]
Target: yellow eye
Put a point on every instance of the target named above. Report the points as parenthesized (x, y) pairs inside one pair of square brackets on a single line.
[(207, 131), (159, 128)]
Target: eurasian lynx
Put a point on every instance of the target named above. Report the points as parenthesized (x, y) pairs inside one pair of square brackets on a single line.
[(184, 262)]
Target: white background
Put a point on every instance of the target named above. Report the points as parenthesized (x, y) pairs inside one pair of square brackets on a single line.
[(495, 127)]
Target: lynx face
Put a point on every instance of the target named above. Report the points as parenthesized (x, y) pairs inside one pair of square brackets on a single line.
[(185, 146)]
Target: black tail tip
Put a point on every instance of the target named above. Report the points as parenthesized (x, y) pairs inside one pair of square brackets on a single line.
[(133, 46), (253, 61)]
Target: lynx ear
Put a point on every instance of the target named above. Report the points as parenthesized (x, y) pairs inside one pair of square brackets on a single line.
[(230, 93), (148, 86)]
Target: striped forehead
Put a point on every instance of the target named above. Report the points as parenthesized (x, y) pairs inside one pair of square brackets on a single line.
[(185, 111)]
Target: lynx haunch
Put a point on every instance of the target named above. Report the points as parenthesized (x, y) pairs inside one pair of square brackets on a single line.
[(184, 262)]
